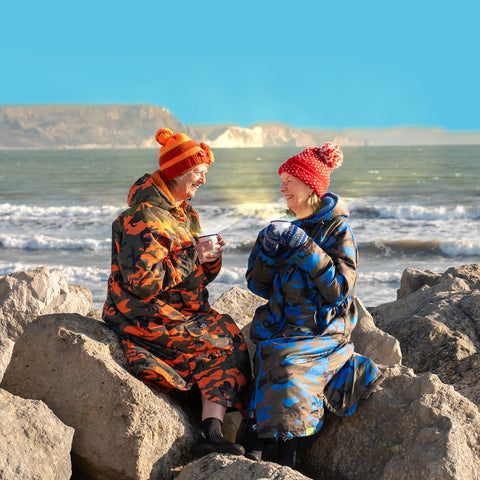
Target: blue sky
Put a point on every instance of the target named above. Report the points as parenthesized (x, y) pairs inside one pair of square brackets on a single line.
[(303, 63)]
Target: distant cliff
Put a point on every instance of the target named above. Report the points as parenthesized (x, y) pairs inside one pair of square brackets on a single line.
[(83, 126), (134, 126)]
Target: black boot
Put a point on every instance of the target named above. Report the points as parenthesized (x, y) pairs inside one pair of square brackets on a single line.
[(287, 451), (212, 440), (253, 444)]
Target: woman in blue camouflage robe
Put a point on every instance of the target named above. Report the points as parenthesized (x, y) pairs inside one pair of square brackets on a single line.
[(307, 269)]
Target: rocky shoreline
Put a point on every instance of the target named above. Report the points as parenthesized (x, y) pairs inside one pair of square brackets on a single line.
[(70, 408)]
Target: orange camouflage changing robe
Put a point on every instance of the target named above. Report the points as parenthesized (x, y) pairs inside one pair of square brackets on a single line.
[(157, 300)]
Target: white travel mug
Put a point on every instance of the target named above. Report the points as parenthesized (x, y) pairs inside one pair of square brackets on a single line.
[(212, 239), (281, 225)]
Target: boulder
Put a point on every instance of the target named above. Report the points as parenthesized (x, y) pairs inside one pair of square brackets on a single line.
[(412, 427), (470, 273), (227, 467), (123, 429), (413, 279), (369, 340), (35, 443), (28, 294), (437, 324), (240, 304)]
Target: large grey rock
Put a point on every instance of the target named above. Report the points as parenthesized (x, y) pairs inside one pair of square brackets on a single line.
[(470, 273), (438, 325), (227, 467), (123, 430), (413, 279), (413, 427), (369, 340), (28, 294), (35, 444), (240, 304)]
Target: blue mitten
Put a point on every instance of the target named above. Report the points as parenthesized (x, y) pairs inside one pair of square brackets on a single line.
[(293, 237), (271, 237)]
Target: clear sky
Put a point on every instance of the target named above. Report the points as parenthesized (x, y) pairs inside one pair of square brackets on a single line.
[(303, 63)]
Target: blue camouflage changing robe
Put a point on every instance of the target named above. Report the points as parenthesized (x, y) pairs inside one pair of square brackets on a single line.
[(304, 361)]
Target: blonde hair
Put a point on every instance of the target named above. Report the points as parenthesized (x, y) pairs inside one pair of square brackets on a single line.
[(314, 200)]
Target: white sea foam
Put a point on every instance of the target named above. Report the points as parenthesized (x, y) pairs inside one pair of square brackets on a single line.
[(371, 208), (7, 267), (379, 277), (458, 248), (80, 275), (44, 242), (231, 276), (414, 247), (8, 210)]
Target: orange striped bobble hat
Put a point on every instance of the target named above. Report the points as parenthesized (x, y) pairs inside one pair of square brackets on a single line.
[(314, 165), (179, 153)]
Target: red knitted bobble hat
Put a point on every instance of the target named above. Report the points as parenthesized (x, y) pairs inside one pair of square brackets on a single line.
[(179, 153), (314, 165)]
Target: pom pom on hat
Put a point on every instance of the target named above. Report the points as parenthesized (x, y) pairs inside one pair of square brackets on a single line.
[(206, 148), (163, 135), (179, 153), (332, 155), (314, 165)]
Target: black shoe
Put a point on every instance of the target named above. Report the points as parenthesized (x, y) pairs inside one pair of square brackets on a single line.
[(220, 445), (287, 451), (253, 444)]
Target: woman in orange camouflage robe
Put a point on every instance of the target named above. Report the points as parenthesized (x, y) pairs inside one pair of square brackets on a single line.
[(157, 299)]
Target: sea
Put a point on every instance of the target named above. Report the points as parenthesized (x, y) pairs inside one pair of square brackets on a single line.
[(410, 206)]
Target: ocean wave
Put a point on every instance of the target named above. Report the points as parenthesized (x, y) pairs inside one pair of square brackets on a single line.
[(6, 268), (387, 248), (235, 223), (84, 275), (446, 248), (231, 275), (75, 275), (416, 212), (30, 212), (44, 242), (76, 219), (223, 218), (379, 277)]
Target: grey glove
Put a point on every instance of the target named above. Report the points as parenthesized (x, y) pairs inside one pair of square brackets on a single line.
[(271, 238), (293, 237)]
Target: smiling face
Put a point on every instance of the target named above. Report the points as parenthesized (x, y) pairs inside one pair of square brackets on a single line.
[(187, 184), (296, 194)]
